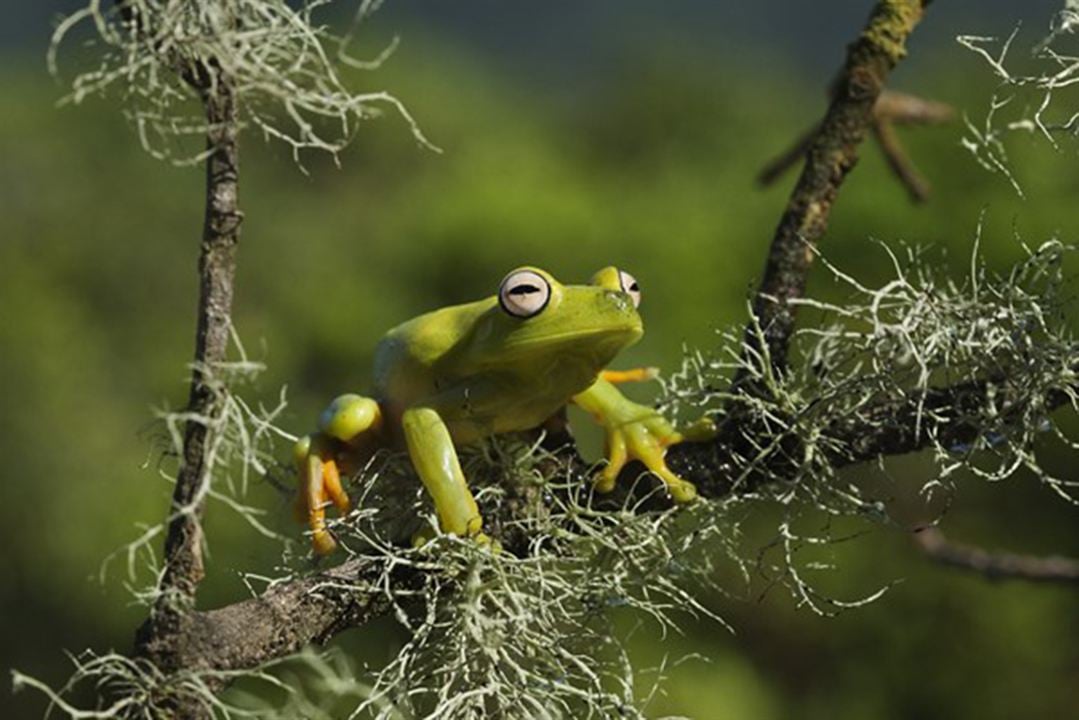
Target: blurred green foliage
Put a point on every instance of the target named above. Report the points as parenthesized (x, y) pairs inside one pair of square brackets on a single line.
[(652, 170)]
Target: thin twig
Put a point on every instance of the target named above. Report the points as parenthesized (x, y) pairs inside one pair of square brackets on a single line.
[(892, 108), (900, 163), (790, 157), (905, 109), (995, 566)]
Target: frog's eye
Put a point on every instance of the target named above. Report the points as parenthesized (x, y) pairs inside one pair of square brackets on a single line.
[(524, 293), (630, 287)]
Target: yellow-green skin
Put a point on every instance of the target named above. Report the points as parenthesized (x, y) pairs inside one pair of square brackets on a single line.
[(457, 375)]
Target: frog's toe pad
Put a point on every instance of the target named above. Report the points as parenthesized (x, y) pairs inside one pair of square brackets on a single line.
[(604, 483), (681, 491), (427, 534), (701, 430), (487, 542), (322, 542), (423, 536)]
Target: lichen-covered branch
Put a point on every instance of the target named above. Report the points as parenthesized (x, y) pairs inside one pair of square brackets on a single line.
[(830, 157), (832, 153), (892, 375), (313, 609), (995, 566), (948, 417), (944, 417)]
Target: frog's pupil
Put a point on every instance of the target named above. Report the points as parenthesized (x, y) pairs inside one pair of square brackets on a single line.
[(524, 290)]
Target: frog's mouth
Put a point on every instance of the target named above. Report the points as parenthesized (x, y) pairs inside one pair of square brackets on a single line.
[(597, 338)]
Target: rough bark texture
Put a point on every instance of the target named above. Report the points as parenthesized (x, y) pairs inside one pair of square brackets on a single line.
[(279, 622), (217, 269), (832, 153)]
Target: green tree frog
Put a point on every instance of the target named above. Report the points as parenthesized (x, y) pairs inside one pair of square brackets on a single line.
[(503, 364)]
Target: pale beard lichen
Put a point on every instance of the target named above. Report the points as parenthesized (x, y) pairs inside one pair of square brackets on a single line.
[(281, 65)]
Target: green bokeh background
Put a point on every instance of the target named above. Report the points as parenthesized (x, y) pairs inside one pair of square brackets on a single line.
[(651, 169)]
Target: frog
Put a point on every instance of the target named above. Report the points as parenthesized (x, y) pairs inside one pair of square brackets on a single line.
[(507, 363)]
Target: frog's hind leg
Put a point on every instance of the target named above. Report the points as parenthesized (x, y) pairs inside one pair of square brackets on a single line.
[(346, 428)]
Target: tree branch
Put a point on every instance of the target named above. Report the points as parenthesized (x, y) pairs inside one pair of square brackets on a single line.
[(217, 268), (173, 627), (281, 621), (313, 609), (995, 566), (832, 153), (949, 417)]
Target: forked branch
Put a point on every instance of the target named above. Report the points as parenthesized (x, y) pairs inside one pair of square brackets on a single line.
[(892, 108), (832, 153)]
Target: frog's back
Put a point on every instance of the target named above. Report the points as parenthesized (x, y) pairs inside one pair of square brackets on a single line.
[(406, 357)]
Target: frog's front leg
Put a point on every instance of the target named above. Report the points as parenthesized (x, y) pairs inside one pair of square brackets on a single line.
[(346, 430), (431, 450), (635, 432), (641, 374)]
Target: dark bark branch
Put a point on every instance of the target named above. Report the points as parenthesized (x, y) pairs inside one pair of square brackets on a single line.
[(893, 427), (832, 153), (995, 566), (279, 622), (314, 609), (217, 268)]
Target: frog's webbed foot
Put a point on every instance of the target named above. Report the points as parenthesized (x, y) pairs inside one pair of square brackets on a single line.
[(646, 440), (345, 430), (637, 432)]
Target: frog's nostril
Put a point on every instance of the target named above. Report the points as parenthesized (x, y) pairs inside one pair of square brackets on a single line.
[(621, 300)]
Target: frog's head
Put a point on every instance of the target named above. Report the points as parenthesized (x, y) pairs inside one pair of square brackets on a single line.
[(539, 319)]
